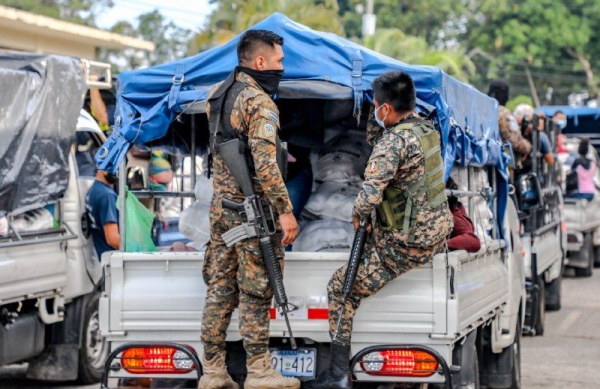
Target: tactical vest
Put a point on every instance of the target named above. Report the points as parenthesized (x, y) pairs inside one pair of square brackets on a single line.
[(399, 209), (221, 130)]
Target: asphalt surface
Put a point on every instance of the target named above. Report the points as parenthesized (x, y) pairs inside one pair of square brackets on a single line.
[(566, 356)]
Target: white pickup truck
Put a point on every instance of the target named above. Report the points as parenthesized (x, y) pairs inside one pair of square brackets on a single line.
[(464, 311), (49, 271), (582, 218), (455, 321)]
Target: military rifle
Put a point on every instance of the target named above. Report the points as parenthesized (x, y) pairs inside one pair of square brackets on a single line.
[(355, 255)]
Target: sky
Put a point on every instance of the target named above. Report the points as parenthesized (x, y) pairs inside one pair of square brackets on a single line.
[(189, 14)]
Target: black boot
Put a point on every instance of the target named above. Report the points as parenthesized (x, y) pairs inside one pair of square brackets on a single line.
[(338, 376)]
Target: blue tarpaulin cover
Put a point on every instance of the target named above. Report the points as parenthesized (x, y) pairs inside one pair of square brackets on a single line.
[(573, 113), (149, 99)]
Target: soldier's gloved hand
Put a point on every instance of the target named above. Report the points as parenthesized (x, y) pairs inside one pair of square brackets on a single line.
[(289, 225)]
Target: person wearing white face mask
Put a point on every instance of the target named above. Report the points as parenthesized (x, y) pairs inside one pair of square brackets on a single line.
[(404, 184), (560, 118)]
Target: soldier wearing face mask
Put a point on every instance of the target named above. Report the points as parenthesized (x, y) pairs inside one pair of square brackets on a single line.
[(101, 206)]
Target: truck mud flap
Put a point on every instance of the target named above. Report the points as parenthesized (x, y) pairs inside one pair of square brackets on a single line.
[(443, 368), (113, 361)]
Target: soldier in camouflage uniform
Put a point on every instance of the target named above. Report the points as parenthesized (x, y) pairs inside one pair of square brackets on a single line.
[(405, 171), (405, 163), (508, 126), (237, 276)]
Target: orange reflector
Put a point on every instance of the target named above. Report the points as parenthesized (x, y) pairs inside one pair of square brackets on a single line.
[(156, 360), (401, 363)]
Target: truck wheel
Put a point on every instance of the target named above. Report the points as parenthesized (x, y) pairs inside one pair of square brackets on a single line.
[(597, 256), (553, 289), (515, 350), (94, 350), (541, 316), (589, 247)]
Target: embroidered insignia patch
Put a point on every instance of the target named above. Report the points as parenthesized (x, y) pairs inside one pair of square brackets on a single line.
[(269, 130), (374, 166), (274, 117)]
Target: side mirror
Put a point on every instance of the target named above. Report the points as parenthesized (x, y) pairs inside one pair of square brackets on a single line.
[(137, 178), (529, 192)]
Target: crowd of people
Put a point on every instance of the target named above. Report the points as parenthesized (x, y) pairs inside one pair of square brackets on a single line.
[(517, 128)]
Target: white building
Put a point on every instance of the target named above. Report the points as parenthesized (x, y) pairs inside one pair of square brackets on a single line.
[(25, 31)]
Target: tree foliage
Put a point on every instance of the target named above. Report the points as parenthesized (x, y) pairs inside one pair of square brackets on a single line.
[(416, 50), (554, 38), (431, 20), (76, 11), (234, 16)]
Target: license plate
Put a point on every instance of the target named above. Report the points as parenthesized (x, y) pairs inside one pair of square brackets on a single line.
[(295, 363)]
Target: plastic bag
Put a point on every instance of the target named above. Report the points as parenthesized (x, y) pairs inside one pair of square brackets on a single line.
[(325, 236), (138, 226), (332, 200), (194, 223)]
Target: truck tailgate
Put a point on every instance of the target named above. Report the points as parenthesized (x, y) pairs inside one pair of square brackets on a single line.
[(147, 294), (30, 269)]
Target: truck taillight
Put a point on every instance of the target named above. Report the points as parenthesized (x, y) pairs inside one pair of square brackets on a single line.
[(156, 360), (402, 363)]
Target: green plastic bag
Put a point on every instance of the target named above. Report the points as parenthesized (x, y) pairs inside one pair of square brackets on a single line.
[(138, 226)]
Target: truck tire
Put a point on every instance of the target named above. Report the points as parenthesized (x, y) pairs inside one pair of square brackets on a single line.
[(94, 350), (553, 294), (589, 246), (541, 316), (597, 256), (502, 370), (515, 350)]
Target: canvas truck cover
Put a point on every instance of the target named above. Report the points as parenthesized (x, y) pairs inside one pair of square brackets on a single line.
[(329, 67), (40, 100)]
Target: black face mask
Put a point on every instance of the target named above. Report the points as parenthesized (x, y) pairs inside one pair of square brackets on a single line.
[(267, 79), (110, 178)]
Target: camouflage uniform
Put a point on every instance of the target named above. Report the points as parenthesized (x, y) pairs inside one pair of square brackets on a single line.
[(510, 131), (237, 276), (397, 161)]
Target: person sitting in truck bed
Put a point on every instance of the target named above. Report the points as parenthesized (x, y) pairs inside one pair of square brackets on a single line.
[(585, 169), (463, 235)]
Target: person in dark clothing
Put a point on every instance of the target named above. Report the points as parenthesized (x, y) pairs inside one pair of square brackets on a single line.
[(299, 177), (585, 169), (101, 206), (463, 235)]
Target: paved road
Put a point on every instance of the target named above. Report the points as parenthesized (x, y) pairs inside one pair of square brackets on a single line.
[(567, 356)]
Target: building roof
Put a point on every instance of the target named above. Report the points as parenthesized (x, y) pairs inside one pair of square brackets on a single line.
[(26, 21)]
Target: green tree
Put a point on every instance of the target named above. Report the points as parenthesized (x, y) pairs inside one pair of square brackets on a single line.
[(415, 50), (550, 39), (76, 11), (433, 20), (234, 16), (171, 42)]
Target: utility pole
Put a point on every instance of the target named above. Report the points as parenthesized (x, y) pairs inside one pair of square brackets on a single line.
[(369, 20)]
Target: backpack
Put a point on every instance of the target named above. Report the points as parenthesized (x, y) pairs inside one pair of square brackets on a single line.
[(572, 182)]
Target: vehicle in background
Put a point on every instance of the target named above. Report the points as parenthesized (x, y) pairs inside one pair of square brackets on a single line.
[(542, 235), (582, 216), (581, 121), (456, 319), (49, 282)]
